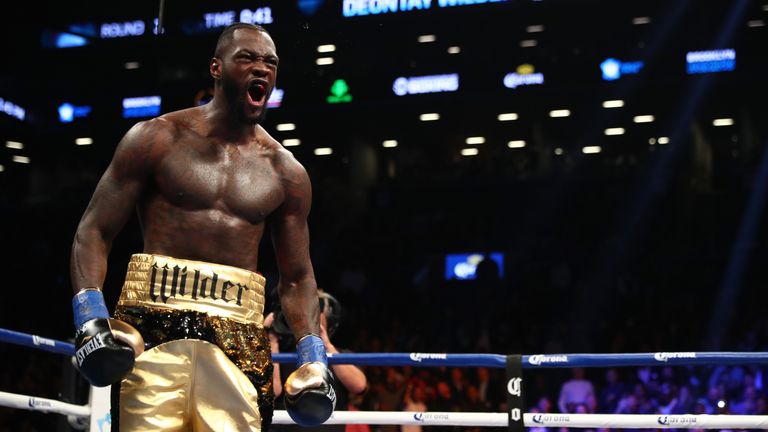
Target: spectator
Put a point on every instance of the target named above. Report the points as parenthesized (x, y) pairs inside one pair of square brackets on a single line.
[(575, 391), (444, 402), (414, 399), (714, 397), (458, 385), (627, 405), (746, 404), (667, 398), (611, 391), (472, 402), (483, 382), (645, 404), (683, 402), (543, 406), (390, 395)]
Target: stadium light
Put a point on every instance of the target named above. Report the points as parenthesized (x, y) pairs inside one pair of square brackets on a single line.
[(507, 117), (282, 127), (616, 103), (643, 119)]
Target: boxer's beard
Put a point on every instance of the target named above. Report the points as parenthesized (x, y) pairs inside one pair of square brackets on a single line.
[(235, 96)]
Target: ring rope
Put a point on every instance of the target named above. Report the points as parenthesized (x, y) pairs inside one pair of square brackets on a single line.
[(542, 361), (33, 403), (486, 419), (684, 421), (34, 341), (536, 361)]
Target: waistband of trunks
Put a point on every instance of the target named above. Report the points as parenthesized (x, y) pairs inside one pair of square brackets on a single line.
[(162, 282)]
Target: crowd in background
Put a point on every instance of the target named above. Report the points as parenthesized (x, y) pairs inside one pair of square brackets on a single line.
[(585, 271)]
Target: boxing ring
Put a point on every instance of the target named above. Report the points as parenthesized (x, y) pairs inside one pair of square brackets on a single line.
[(95, 415)]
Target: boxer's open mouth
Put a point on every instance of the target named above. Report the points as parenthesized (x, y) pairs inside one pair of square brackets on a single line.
[(256, 92)]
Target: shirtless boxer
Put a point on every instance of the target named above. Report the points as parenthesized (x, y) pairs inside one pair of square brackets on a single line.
[(204, 180)]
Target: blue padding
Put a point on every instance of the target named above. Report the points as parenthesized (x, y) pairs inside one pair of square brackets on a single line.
[(87, 305), (311, 349)]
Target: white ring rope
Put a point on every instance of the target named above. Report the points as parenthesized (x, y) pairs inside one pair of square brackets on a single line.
[(32, 403), (631, 421), (635, 421)]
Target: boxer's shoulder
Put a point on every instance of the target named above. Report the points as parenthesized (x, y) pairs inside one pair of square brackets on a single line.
[(170, 127), (285, 162), (153, 135), (143, 146), (292, 173), (288, 168)]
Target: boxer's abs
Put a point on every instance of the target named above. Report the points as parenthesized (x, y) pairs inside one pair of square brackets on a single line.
[(203, 236)]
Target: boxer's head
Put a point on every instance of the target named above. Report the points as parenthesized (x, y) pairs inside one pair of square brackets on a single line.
[(244, 68)]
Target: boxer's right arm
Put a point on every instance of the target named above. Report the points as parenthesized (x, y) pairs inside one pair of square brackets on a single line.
[(101, 359), (116, 195)]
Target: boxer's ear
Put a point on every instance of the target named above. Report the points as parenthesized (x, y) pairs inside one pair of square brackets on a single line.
[(215, 68)]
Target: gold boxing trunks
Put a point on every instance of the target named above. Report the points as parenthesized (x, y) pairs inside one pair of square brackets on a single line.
[(207, 364)]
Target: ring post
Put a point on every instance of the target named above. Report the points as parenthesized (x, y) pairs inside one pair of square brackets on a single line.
[(101, 419), (515, 395)]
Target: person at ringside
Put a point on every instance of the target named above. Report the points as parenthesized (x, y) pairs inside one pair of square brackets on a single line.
[(204, 181), (350, 380)]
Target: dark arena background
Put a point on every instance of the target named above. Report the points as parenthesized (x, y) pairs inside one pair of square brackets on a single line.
[(519, 176)]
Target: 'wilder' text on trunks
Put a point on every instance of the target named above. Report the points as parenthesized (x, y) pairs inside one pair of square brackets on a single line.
[(173, 282)]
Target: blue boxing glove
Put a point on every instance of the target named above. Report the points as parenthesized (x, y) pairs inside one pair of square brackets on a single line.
[(309, 395), (100, 357)]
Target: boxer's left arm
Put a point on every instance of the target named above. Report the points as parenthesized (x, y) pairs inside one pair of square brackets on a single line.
[(310, 398), (297, 287)]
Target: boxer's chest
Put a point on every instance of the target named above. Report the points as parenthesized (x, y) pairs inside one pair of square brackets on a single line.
[(240, 180)]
